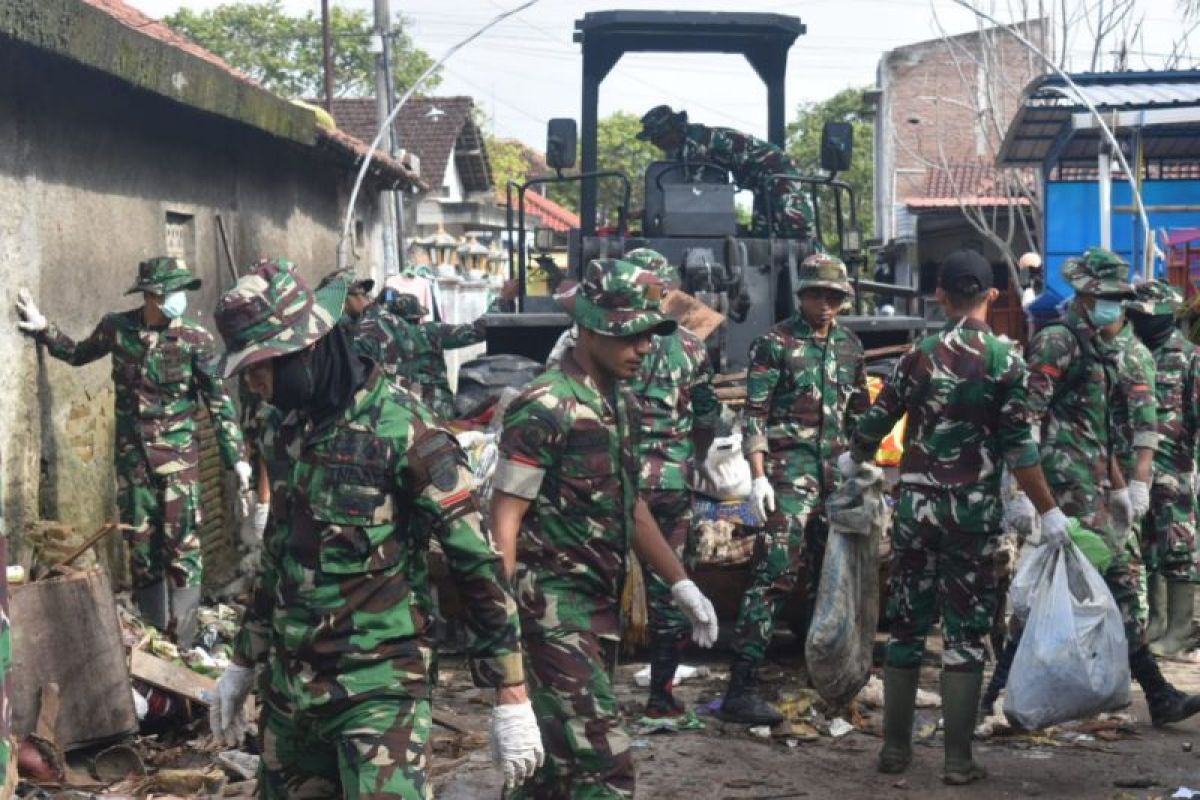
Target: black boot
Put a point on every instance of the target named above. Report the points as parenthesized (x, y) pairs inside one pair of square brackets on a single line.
[(1167, 704), (664, 660), (741, 704)]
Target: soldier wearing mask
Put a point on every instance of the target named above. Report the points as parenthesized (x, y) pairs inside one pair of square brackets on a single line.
[(163, 368), (341, 616)]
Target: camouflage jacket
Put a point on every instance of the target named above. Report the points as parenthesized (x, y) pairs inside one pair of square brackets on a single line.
[(1177, 391), (964, 390), (160, 378), (804, 394), (573, 453), (1135, 410), (1074, 384), (674, 388), (342, 607)]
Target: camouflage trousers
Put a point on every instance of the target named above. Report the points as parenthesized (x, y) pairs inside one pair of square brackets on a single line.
[(791, 211), (439, 398), (368, 750), (1124, 577), (1169, 530), (164, 511), (937, 564), (794, 534), (672, 511), (587, 751)]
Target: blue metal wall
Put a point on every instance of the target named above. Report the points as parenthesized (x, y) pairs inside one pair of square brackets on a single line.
[(1073, 220)]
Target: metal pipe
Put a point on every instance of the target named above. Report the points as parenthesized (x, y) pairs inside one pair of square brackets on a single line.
[(327, 55), (1104, 165)]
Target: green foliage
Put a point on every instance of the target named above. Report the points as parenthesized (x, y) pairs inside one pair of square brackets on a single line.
[(804, 144), (617, 148), (283, 52), (508, 160)]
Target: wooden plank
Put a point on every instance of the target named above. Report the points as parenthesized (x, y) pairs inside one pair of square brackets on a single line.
[(692, 314), (171, 676), (65, 631)]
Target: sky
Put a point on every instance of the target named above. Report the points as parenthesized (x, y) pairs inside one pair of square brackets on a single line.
[(527, 70)]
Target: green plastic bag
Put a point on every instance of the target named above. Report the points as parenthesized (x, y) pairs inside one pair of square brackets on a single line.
[(1091, 544)]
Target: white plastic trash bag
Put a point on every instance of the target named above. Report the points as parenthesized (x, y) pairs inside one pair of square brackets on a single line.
[(1072, 661), (726, 473)]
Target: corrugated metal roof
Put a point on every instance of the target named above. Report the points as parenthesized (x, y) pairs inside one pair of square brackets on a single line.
[(1043, 123)]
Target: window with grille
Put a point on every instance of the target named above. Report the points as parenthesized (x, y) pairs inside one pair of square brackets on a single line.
[(180, 231)]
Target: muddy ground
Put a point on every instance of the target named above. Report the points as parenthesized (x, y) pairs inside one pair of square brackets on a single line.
[(1124, 758)]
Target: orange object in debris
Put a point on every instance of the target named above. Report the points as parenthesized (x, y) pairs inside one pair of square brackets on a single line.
[(892, 446)]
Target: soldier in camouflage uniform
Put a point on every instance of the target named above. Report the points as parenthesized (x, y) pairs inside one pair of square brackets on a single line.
[(806, 385), (407, 348), (751, 161), (163, 368), (1169, 529), (566, 512), (679, 419), (341, 614), (964, 391), (1074, 387)]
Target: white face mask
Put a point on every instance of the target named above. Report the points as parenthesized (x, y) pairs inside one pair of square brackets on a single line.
[(174, 304)]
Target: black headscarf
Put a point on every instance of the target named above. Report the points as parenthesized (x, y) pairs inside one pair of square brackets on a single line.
[(319, 380), (1152, 329)]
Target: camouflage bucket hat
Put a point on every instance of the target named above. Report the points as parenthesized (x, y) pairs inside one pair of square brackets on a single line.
[(1100, 272), (657, 263), (162, 275), (822, 271), (616, 298), (660, 119), (271, 312), (1156, 298), (408, 307), (354, 285)]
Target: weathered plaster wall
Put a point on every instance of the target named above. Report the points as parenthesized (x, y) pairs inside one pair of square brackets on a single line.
[(90, 167)]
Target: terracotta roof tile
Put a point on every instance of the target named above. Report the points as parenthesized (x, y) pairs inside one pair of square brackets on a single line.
[(975, 183)]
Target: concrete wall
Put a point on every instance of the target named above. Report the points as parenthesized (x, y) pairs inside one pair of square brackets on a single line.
[(89, 170)]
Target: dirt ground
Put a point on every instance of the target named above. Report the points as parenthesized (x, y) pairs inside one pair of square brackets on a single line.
[(1123, 759)]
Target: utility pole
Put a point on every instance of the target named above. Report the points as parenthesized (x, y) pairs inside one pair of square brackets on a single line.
[(327, 54), (380, 44)]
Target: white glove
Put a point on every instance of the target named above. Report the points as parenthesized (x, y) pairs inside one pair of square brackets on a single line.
[(1019, 514), (698, 609), (244, 471), (255, 525), (1120, 508), (1139, 497), (516, 742), (846, 465), (1054, 527), (32, 320), (763, 497), (226, 717)]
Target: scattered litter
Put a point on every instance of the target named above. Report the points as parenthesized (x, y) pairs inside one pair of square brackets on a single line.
[(839, 728), (872, 695), (1184, 793), (117, 763), (761, 731), (686, 722), (243, 765), (641, 744), (682, 673), (711, 708)]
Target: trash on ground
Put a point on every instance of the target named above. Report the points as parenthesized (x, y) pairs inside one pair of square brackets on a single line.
[(687, 722), (839, 728), (682, 673)]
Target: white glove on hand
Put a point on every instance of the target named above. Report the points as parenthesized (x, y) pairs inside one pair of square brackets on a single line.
[(255, 525), (763, 497), (32, 320), (1120, 508), (698, 609), (1054, 528), (1019, 514), (1139, 497), (244, 471), (847, 466), (516, 742), (226, 717)]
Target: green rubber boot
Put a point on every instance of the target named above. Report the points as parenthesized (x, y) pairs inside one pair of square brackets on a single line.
[(899, 700), (1181, 598), (960, 701), (1156, 595)]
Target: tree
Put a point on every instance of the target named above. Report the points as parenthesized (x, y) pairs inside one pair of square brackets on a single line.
[(617, 148), (804, 145), (283, 52)]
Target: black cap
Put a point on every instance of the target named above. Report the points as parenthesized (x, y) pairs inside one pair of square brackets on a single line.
[(965, 272), (363, 286)]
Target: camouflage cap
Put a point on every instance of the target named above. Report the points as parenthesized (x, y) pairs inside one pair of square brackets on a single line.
[(1156, 298), (408, 307), (164, 274), (659, 120), (616, 298), (657, 263), (1100, 272), (271, 312), (823, 271), (354, 285)]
